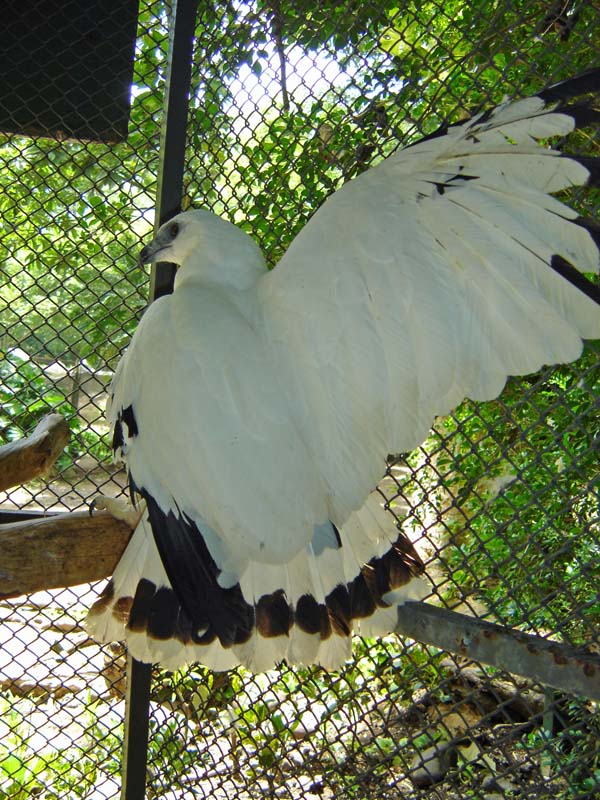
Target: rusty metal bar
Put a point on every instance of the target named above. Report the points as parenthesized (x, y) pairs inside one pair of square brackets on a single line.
[(551, 663), (171, 168), (137, 724), (168, 202)]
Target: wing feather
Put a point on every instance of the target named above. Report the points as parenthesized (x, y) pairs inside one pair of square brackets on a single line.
[(425, 280)]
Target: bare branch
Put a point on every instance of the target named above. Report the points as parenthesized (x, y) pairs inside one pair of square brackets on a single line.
[(32, 456)]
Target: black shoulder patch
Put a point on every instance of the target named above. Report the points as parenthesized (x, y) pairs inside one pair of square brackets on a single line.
[(128, 418), (117, 440)]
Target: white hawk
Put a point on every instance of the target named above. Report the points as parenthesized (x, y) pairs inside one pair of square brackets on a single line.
[(254, 409)]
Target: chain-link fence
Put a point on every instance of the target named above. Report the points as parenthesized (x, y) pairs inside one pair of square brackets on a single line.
[(287, 101)]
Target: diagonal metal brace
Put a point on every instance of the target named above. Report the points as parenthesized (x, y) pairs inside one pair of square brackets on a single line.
[(574, 670)]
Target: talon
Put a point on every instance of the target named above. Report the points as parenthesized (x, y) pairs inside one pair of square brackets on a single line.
[(94, 506), (117, 508)]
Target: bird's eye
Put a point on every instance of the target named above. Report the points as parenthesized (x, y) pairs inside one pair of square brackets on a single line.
[(173, 230)]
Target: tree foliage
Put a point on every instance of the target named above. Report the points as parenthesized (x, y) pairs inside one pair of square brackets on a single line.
[(73, 215), (71, 287), (515, 483)]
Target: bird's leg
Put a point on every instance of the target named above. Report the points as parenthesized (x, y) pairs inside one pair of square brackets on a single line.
[(118, 508)]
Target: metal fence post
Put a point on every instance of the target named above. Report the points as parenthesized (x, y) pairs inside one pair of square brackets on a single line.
[(168, 202)]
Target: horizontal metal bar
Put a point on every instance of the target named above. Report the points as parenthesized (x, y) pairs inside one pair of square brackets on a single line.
[(7, 517), (552, 663)]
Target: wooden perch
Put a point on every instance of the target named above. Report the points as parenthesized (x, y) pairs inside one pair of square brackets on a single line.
[(59, 551), (27, 458), (68, 549)]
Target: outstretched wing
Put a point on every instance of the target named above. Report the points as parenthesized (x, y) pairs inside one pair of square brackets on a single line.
[(432, 277)]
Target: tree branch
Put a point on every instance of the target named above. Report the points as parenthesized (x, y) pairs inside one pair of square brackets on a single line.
[(32, 456), (59, 551)]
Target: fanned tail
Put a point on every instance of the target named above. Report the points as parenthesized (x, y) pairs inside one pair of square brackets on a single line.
[(303, 612)]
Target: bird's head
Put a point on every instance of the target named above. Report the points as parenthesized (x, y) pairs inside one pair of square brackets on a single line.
[(207, 249)]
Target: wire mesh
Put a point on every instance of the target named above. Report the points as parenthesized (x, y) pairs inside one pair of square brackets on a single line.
[(288, 101)]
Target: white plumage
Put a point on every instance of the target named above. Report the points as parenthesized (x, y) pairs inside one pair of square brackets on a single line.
[(255, 409)]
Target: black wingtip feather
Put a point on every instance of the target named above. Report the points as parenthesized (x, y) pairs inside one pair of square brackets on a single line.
[(142, 602), (193, 574), (592, 164), (311, 616), (592, 226), (340, 612), (362, 602), (571, 274), (585, 83), (583, 114), (164, 612)]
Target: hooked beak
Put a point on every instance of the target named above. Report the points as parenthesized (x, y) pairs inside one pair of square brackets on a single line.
[(150, 251), (162, 243)]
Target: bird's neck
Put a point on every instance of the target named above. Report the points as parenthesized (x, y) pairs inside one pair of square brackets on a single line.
[(231, 273)]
